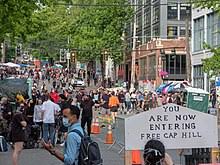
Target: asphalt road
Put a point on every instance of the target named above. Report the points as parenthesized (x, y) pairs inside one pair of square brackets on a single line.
[(42, 157)]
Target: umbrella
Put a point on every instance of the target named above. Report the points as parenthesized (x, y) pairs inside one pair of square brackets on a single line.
[(165, 89), (24, 65), (10, 64), (160, 88)]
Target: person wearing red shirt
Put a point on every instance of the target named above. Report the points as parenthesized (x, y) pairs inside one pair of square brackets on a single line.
[(55, 96)]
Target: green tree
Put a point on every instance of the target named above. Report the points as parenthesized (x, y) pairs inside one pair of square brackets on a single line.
[(51, 28), (211, 65), (99, 29)]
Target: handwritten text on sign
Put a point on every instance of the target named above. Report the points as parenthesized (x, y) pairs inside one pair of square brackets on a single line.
[(176, 126), (163, 124)]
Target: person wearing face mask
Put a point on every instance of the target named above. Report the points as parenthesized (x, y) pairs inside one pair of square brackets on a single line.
[(71, 115)]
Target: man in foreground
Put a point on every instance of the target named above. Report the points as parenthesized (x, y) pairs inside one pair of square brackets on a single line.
[(72, 144)]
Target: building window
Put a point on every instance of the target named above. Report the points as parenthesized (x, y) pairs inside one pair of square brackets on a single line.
[(172, 12), (172, 31), (185, 11), (198, 33), (147, 17), (152, 67), (198, 76), (143, 72), (183, 64), (147, 34), (176, 64), (182, 31), (139, 21), (156, 31), (213, 29), (156, 13)]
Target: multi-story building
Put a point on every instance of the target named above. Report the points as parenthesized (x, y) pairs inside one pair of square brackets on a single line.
[(158, 19), (205, 29), (163, 19)]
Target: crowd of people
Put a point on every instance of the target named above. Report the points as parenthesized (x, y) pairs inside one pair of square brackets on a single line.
[(54, 109)]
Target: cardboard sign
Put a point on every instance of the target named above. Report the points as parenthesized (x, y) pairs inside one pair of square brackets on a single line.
[(177, 127)]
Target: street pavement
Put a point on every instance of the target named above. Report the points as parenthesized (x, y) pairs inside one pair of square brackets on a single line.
[(42, 157)]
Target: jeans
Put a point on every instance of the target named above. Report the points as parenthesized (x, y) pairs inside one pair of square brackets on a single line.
[(49, 132), (128, 105)]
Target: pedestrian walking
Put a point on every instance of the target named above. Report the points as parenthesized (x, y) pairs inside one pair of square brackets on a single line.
[(50, 110), (54, 84), (87, 113), (105, 103), (73, 141), (121, 98), (128, 101), (38, 115), (113, 104), (133, 100), (17, 134), (88, 81)]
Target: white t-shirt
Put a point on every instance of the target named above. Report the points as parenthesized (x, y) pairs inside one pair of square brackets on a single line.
[(50, 109)]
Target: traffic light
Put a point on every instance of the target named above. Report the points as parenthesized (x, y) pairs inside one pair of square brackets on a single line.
[(62, 55), (18, 50), (73, 57)]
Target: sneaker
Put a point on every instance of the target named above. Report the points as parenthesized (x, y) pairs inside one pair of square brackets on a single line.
[(62, 144)]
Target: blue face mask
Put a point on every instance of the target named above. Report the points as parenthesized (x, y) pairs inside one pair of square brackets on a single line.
[(66, 122)]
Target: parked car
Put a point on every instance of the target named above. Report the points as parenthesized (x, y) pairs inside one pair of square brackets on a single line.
[(78, 82)]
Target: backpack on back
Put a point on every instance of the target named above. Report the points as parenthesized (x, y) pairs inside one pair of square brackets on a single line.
[(89, 153)]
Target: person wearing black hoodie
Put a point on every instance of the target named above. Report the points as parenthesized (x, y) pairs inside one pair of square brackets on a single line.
[(87, 104)]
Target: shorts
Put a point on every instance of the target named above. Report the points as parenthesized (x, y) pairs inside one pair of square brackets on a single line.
[(105, 111), (114, 109)]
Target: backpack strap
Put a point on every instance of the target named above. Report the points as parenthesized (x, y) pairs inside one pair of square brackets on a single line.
[(78, 132)]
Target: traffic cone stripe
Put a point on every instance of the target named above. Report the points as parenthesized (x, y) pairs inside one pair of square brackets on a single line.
[(109, 136), (136, 157), (96, 128)]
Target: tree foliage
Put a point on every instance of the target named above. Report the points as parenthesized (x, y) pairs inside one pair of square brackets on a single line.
[(211, 65), (99, 29), (50, 30), (211, 4)]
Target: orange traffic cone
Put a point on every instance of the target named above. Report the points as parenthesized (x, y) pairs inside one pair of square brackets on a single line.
[(109, 136), (92, 126), (96, 128), (136, 157)]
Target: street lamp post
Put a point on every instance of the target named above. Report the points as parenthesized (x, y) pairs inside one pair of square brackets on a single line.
[(133, 54)]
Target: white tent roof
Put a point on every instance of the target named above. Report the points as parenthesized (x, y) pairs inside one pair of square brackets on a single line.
[(10, 64), (195, 90)]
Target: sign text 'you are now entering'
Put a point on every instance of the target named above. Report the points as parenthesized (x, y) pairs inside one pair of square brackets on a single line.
[(176, 126)]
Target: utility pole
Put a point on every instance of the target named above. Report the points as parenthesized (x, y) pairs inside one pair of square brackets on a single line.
[(3, 52), (68, 53), (68, 43), (133, 54), (188, 54)]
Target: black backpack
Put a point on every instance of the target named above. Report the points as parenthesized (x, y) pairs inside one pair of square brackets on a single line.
[(89, 153)]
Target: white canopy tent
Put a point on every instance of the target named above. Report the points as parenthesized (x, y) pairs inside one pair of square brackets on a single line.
[(12, 65)]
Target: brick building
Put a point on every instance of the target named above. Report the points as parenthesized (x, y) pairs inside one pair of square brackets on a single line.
[(158, 60)]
